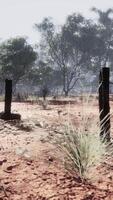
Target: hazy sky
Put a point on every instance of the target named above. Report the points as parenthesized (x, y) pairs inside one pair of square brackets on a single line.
[(17, 17)]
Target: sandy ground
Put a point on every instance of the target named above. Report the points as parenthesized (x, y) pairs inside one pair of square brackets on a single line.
[(31, 169)]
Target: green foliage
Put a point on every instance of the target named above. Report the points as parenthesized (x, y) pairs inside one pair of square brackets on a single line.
[(16, 58), (104, 16), (79, 45), (63, 49), (46, 26), (40, 74), (105, 34)]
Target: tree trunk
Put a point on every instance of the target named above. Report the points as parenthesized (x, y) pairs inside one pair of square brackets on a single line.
[(66, 93)]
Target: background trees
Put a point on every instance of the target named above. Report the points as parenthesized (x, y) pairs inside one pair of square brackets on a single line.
[(78, 47), (72, 48), (67, 56), (63, 49), (40, 74), (105, 34), (16, 58)]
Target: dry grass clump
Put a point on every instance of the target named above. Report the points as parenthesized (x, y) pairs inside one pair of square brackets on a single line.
[(82, 148)]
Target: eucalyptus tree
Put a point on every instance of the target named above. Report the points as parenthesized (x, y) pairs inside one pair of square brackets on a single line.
[(105, 34), (16, 58), (63, 47), (40, 75)]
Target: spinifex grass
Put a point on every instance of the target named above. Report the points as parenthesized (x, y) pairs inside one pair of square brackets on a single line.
[(82, 151), (82, 148)]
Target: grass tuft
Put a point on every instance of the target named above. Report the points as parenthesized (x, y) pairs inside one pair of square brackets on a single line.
[(82, 148)]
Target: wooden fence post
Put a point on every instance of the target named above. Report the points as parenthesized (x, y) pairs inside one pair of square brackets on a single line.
[(7, 115), (104, 107), (8, 96), (100, 95)]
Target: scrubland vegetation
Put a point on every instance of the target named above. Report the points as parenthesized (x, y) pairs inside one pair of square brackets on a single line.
[(55, 151)]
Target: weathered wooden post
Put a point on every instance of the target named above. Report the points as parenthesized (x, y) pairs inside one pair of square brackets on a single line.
[(104, 107), (8, 96), (7, 115), (100, 95)]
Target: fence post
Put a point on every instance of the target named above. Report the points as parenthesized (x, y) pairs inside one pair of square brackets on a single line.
[(104, 107), (100, 94), (8, 96), (7, 115)]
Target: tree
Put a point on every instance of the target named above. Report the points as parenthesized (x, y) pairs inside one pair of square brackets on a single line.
[(104, 16), (63, 48), (41, 74), (16, 58), (78, 46), (105, 34)]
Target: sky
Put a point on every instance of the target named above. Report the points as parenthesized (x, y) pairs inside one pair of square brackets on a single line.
[(17, 17)]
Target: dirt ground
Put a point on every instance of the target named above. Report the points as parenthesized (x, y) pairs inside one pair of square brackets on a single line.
[(31, 168)]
